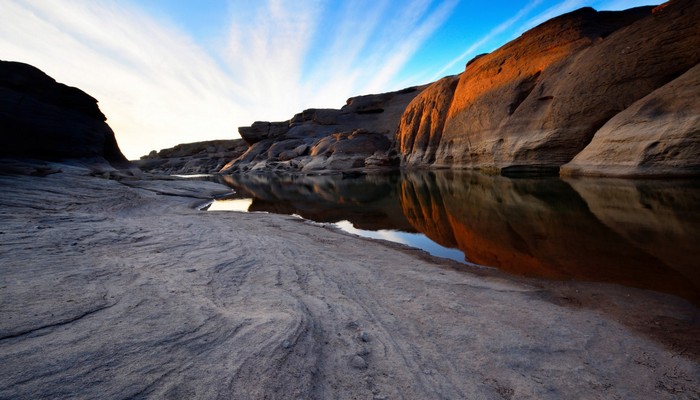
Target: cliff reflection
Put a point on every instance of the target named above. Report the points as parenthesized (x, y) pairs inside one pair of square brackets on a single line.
[(368, 202), (637, 233)]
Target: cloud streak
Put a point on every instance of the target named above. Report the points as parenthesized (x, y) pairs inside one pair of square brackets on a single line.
[(491, 35), (158, 87)]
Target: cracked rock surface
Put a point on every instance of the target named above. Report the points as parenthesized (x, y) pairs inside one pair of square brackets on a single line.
[(122, 289)]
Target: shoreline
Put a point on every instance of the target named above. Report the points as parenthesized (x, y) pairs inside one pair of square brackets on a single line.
[(121, 288)]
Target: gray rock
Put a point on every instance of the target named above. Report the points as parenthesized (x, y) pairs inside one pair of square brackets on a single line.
[(358, 362)]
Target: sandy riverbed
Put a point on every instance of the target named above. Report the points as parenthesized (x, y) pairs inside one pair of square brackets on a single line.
[(120, 289)]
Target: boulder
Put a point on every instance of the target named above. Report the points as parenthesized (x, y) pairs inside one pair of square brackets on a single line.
[(261, 130), (46, 120)]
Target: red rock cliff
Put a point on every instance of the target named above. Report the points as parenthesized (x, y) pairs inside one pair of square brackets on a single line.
[(538, 101)]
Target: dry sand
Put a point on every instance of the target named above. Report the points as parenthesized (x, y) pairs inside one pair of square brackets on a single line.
[(122, 289)]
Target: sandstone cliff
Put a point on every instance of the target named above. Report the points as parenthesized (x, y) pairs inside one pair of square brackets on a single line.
[(538, 101), (46, 120)]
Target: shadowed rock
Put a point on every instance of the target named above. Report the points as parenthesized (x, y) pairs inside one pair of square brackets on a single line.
[(659, 135), (193, 158), (357, 137), (46, 120)]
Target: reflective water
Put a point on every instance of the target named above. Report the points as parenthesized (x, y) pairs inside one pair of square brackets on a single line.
[(643, 234)]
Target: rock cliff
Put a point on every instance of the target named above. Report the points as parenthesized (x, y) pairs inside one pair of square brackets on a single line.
[(46, 120), (658, 135), (538, 101)]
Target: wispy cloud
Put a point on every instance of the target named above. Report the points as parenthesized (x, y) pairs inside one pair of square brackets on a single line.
[(158, 87), (155, 85)]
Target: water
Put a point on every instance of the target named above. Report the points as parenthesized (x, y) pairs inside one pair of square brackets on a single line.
[(644, 234)]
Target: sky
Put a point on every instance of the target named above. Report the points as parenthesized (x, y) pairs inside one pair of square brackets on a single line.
[(175, 71)]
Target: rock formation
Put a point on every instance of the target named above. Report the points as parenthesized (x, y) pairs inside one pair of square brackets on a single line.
[(614, 93), (46, 120), (538, 101), (659, 135), (193, 158), (357, 137)]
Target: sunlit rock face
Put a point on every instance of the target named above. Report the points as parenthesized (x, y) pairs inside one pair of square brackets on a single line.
[(421, 126), (536, 102), (43, 119), (658, 135), (545, 228), (359, 136)]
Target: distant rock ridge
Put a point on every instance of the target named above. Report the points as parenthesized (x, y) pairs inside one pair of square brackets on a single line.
[(358, 136), (46, 120), (206, 157), (599, 93)]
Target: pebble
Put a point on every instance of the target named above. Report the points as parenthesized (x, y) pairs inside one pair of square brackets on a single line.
[(364, 336), (358, 362)]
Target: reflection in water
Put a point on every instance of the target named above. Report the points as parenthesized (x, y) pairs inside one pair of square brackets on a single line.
[(637, 233), (231, 205)]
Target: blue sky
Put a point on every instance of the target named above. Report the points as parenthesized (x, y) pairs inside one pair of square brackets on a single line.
[(169, 72)]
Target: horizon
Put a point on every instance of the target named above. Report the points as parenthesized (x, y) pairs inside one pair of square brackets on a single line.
[(175, 72)]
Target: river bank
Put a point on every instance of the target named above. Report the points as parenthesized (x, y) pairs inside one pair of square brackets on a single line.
[(121, 288)]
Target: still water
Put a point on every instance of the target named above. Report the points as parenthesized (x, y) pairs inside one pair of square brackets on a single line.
[(644, 234)]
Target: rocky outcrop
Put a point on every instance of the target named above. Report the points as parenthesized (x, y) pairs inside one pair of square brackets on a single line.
[(193, 158), (658, 135), (359, 136), (538, 101), (46, 120)]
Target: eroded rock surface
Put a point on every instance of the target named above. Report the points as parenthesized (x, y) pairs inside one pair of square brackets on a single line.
[(120, 289), (359, 136)]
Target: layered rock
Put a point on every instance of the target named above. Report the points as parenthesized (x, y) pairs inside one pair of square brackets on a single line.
[(359, 136), (46, 120), (658, 135), (193, 158), (536, 102)]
